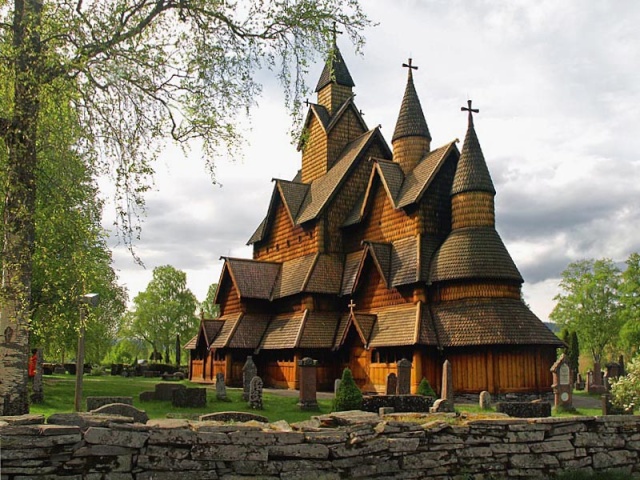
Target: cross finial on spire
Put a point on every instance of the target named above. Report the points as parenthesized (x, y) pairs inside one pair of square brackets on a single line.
[(410, 65), (335, 31), (470, 110)]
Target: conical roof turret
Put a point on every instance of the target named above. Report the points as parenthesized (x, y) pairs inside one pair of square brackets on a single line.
[(411, 121), (472, 174)]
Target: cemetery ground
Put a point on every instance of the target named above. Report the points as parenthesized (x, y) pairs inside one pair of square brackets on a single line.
[(278, 404)]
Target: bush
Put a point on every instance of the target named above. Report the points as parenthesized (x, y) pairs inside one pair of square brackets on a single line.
[(625, 391), (425, 389), (348, 396)]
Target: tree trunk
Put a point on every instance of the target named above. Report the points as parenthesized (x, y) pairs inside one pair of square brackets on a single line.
[(19, 209)]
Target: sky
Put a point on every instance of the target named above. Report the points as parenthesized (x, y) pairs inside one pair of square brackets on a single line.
[(558, 88)]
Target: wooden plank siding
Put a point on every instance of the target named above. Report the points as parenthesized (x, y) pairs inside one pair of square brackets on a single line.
[(228, 298), (473, 209), (285, 241), (345, 131), (314, 152), (474, 289), (372, 292), (333, 95)]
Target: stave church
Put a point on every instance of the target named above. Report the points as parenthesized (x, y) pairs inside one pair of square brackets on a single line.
[(374, 253)]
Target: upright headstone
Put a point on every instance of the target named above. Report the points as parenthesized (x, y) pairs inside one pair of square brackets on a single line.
[(447, 382), (255, 393), (248, 372), (596, 385), (336, 385), (392, 384), (562, 383), (308, 376), (404, 377), (37, 395), (485, 400), (221, 389)]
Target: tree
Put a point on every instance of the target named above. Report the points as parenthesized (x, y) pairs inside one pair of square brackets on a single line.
[(165, 309), (589, 304), (630, 304), (138, 71), (573, 352), (208, 307), (348, 396)]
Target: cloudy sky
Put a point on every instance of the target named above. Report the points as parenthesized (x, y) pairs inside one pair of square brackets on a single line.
[(558, 88)]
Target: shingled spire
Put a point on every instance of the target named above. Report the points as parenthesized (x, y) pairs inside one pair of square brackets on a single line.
[(472, 174), (411, 139), (335, 83)]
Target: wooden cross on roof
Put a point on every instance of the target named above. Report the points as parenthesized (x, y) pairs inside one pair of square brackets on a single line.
[(335, 31), (351, 306), (470, 110), (410, 65)]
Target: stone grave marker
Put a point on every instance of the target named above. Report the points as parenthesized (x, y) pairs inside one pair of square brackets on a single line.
[(221, 389), (445, 402), (404, 377), (336, 385), (124, 409), (308, 376), (485, 400), (189, 397), (562, 383), (255, 393), (392, 384), (248, 372)]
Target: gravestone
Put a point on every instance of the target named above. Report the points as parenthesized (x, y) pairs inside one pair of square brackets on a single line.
[(392, 384), (59, 370), (255, 393), (221, 389), (596, 385), (248, 372), (447, 382), (562, 383), (189, 398), (336, 385), (308, 376), (124, 409), (579, 382), (404, 377), (485, 400), (37, 395), (94, 403)]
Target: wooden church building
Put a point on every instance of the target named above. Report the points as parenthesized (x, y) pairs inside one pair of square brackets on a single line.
[(372, 254)]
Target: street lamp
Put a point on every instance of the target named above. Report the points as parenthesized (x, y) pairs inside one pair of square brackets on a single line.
[(91, 300)]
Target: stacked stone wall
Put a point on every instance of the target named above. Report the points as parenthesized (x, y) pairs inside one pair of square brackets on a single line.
[(350, 445)]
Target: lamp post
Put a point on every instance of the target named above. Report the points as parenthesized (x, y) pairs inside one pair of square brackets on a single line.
[(89, 299)]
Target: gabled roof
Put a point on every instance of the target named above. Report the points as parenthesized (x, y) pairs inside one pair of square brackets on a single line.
[(473, 253), (292, 194), (419, 179), (209, 328), (411, 121), (489, 321), (191, 344), (249, 331), (325, 187), (293, 276), (381, 256), (396, 325), (350, 273), (363, 324), (251, 278), (319, 330), (229, 325), (326, 276), (284, 331), (335, 70), (472, 174), (326, 121)]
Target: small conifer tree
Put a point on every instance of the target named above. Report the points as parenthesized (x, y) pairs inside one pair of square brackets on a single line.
[(348, 395), (425, 389)]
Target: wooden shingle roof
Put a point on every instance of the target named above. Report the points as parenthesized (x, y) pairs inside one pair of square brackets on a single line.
[(252, 278), (230, 322), (249, 331), (335, 70), (381, 255), (473, 252), (472, 174), (284, 331), (396, 325), (489, 321), (319, 330), (411, 121), (293, 276), (191, 344), (325, 187), (405, 258), (326, 276), (351, 268), (293, 194)]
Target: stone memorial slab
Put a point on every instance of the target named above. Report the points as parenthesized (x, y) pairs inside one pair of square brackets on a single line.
[(447, 382), (404, 377), (392, 384), (485, 400), (308, 377), (248, 372), (255, 393), (221, 389)]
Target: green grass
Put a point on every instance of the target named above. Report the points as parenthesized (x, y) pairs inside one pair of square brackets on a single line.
[(59, 398)]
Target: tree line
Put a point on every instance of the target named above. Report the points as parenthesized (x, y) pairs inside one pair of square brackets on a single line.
[(600, 303)]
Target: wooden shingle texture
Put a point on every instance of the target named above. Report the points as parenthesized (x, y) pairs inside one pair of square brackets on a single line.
[(283, 331), (252, 278), (249, 331), (395, 326), (335, 70), (319, 330), (228, 327), (411, 120), (472, 173)]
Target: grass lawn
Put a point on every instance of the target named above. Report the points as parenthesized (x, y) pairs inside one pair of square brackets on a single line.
[(59, 394)]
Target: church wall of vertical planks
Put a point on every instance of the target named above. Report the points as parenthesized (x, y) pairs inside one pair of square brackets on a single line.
[(373, 253)]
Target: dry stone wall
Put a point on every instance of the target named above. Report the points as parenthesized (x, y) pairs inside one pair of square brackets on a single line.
[(348, 445)]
